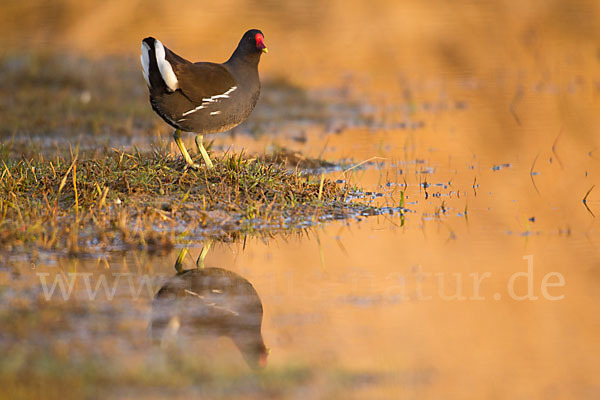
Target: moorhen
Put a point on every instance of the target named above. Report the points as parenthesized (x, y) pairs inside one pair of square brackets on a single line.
[(212, 301), (203, 97)]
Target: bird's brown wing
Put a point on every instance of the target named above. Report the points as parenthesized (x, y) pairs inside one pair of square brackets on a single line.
[(199, 81)]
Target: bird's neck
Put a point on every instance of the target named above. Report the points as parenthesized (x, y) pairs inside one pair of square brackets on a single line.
[(250, 343), (241, 59), (245, 71)]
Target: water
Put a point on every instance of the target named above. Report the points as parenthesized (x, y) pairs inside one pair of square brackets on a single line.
[(485, 286)]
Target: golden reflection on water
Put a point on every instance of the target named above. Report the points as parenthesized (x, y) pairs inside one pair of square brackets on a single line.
[(508, 170)]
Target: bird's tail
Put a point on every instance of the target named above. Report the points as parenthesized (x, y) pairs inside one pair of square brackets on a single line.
[(157, 70)]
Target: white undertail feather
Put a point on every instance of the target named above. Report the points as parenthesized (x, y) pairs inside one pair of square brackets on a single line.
[(145, 59), (166, 70)]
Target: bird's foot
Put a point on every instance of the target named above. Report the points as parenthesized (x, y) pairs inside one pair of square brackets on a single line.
[(192, 165)]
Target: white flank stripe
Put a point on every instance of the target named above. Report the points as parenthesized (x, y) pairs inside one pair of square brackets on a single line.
[(166, 70), (220, 96), (145, 59), (213, 99), (193, 110)]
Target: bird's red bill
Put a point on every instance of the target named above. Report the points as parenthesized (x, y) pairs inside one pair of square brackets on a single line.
[(260, 42), (262, 361)]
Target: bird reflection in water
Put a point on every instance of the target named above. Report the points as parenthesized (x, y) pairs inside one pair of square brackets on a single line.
[(210, 301)]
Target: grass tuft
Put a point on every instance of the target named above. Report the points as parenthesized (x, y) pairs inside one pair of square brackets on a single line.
[(151, 200)]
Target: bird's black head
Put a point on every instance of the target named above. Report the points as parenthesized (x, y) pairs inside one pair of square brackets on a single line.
[(250, 47), (253, 41), (253, 350)]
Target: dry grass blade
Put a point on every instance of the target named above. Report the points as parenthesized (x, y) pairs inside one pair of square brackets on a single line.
[(63, 181), (531, 173), (359, 164), (75, 188), (513, 105), (585, 201), (554, 149), (321, 187), (103, 198)]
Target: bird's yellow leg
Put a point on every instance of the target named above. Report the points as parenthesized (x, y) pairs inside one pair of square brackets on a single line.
[(179, 261), (202, 151), (184, 153)]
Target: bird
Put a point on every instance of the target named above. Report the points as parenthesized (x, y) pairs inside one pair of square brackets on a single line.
[(211, 301), (203, 97)]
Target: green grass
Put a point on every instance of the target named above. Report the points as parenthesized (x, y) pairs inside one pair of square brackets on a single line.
[(130, 199)]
